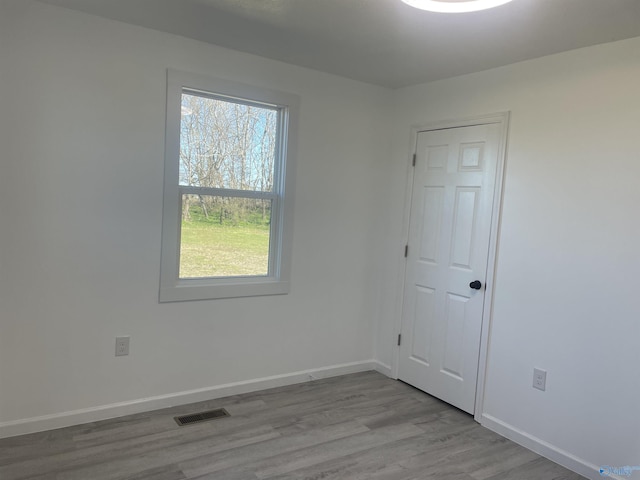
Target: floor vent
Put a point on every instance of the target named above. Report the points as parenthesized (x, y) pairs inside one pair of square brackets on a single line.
[(201, 416)]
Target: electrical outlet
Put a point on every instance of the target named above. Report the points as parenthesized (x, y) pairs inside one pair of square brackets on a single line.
[(540, 379), (122, 346)]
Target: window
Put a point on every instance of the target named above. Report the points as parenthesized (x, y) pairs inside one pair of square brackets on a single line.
[(227, 211)]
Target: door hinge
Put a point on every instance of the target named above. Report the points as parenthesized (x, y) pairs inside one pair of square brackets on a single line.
[(399, 339), (413, 162), (406, 251)]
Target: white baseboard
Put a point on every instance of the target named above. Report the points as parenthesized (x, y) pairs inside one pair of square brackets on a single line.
[(382, 368), (104, 412), (543, 448)]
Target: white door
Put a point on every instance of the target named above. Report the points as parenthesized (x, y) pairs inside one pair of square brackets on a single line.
[(450, 223)]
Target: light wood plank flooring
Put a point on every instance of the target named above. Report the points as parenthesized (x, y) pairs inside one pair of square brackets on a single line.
[(355, 427)]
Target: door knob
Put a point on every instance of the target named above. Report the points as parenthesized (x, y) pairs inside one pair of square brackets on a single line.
[(476, 285)]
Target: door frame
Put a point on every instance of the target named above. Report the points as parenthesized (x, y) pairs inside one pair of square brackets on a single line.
[(501, 118)]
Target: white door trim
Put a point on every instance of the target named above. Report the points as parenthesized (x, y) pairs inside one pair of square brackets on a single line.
[(501, 118)]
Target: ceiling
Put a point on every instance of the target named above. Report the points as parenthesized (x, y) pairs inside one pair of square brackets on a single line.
[(383, 42)]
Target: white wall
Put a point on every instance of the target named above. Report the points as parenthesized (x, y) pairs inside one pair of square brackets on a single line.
[(82, 125), (81, 129), (566, 297)]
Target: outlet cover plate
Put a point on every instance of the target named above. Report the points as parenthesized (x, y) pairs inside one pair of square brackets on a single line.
[(540, 379), (122, 346)]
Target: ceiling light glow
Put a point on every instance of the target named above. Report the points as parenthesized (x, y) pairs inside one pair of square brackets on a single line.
[(455, 6)]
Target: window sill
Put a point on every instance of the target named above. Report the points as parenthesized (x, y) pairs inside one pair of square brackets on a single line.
[(197, 289)]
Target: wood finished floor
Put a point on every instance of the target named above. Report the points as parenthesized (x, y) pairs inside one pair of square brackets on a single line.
[(355, 427)]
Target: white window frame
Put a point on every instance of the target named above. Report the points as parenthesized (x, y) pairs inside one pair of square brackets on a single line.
[(175, 289)]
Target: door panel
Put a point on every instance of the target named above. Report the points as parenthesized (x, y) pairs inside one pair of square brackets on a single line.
[(433, 198), (421, 347), (455, 319), (465, 216), (451, 207)]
